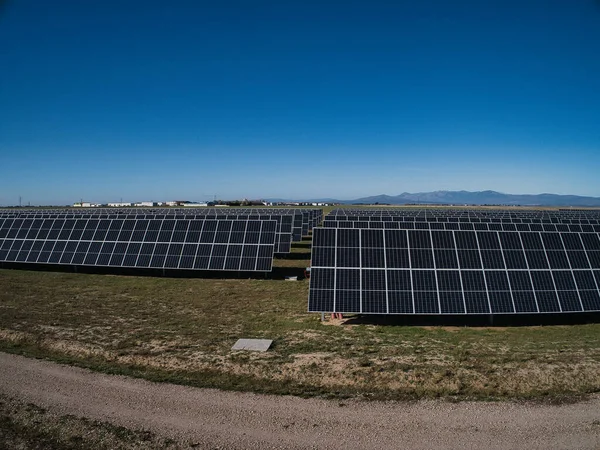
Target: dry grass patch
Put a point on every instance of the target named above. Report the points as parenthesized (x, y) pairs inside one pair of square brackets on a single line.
[(182, 330)]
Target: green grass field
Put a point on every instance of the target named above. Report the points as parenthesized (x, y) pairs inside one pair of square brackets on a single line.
[(181, 330)]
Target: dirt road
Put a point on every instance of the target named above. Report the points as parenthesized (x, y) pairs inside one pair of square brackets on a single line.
[(215, 419)]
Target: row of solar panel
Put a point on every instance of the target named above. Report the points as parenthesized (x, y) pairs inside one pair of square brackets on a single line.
[(453, 259), (462, 226), (496, 291), (303, 219), (430, 212), (93, 227), (453, 272), (463, 211), (137, 230), (452, 302), (386, 219), (158, 211), (236, 257), (575, 210), (172, 244), (449, 239), (311, 216), (152, 216), (463, 219), (455, 280)]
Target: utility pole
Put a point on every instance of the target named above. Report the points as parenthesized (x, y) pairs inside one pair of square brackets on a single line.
[(19, 201)]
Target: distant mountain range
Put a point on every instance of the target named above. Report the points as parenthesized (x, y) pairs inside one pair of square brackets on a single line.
[(473, 198)]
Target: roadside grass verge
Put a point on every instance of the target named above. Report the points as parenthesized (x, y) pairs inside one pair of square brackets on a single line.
[(182, 330)]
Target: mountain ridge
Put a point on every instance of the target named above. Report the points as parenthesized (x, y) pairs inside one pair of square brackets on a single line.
[(462, 197)]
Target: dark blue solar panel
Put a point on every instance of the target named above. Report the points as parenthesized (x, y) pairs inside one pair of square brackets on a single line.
[(141, 243), (439, 271)]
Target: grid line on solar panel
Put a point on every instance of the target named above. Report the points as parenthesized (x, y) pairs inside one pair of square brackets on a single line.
[(155, 243), (484, 288)]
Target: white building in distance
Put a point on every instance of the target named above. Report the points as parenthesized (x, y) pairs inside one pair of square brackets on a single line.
[(194, 205), (85, 205), (145, 204)]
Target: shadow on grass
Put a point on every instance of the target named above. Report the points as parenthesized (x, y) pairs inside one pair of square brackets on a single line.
[(302, 245), (277, 273), (505, 320), (293, 256)]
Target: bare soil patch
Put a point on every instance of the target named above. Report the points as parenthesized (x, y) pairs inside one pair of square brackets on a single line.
[(41, 407)]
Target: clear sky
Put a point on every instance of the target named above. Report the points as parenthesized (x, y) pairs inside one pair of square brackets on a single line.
[(160, 100)]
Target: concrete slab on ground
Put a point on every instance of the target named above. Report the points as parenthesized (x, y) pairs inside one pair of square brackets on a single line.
[(256, 345)]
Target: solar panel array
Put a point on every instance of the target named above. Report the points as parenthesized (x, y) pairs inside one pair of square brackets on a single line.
[(236, 245), (283, 239), (235, 239), (304, 219), (471, 214), (381, 267), (554, 218)]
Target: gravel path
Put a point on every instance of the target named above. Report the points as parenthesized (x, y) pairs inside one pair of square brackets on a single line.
[(215, 419)]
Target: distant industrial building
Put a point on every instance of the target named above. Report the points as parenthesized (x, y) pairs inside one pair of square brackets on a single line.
[(85, 205), (145, 204), (194, 205), (120, 204), (188, 204)]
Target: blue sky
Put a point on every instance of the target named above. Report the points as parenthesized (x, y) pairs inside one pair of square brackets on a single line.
[(104, 100)]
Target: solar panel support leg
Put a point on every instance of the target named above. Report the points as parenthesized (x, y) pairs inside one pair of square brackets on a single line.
[(322, 317), (491, 317)]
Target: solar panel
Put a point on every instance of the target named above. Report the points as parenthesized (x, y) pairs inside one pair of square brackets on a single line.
[(431, 271), (238, 245)]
